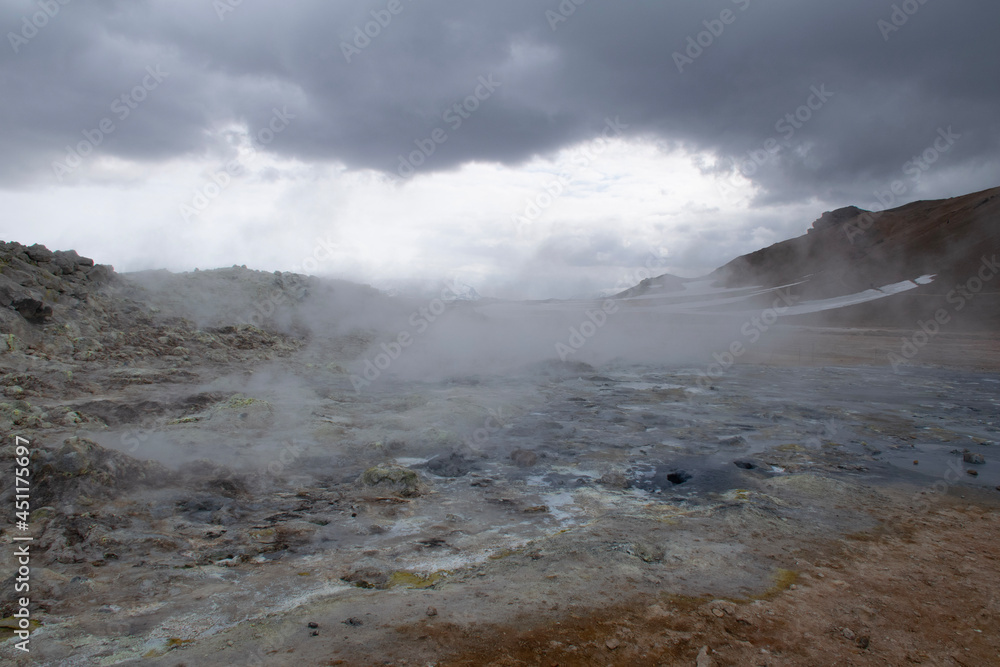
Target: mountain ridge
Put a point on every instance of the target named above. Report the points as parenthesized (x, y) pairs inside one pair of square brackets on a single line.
[(850, 250)]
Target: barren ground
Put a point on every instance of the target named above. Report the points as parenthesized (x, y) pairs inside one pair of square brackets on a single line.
[(225, 497)]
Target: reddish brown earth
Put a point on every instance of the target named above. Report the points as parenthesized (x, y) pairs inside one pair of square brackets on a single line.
[(923, 589)]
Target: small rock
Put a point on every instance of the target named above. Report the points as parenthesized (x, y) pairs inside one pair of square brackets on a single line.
[(848, 633), (537, 509), (972, 457), (353, 622), (745, 465), (864, 641), (724, 606), (313, 625), (649, 553), (612, 644), (974, 473), (703, 660), (718, 612), (916, 462), (315, 633), (431, 611), (393, 479), (657, 611)]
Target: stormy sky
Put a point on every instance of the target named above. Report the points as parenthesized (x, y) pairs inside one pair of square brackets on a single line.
[(530, 148)]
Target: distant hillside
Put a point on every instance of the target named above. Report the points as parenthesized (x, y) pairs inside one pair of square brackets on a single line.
[(850, 249), (848, 256), (59, 306), (659, 285)]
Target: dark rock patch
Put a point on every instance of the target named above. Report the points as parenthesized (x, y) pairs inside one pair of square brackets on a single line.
[(454, 465)]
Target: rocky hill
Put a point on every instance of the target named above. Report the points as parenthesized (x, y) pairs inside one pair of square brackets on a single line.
[(75, 328), (851, 250)]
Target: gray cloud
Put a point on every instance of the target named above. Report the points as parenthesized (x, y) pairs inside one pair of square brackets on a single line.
[(556, 86)]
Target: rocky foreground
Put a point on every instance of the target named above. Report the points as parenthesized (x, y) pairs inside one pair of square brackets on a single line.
[(209, 487)]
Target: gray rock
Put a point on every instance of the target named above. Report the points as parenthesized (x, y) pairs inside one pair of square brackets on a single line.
[(392, 479), (32, 310), (11, 291), (454, 465), (39, 253)]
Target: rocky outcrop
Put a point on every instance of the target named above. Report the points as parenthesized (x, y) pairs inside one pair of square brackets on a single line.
[(83, 467), (834, 218), (35, 281)]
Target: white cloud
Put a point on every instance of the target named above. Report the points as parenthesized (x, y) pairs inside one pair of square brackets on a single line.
[(620, 202)]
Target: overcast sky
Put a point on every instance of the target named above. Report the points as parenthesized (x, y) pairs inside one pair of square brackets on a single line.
[(530, 148)]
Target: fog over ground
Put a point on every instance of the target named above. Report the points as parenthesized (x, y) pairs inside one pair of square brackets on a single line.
[(527, 149)]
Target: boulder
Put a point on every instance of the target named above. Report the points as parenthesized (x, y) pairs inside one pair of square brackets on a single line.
[(83, 467), (11, 291), (39, 253), (392, 479), (32, 310)]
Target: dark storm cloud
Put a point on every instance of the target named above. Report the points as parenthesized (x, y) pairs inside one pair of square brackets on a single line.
[(526, 82)]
